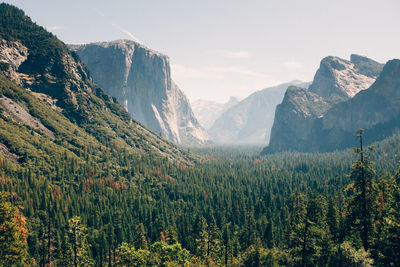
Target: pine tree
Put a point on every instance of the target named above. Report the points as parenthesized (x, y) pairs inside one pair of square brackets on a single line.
[(78, 246), (361, 202), (171, 237), (140, 240)]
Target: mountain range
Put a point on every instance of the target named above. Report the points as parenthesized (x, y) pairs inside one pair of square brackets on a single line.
[(344, 96)]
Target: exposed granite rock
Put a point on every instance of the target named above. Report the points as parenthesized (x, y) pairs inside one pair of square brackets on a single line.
[(294, 120), (377, 110), (343, 79), (340, 103), (140, 79)]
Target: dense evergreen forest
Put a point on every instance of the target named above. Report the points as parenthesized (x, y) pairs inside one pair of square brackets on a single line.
[(98, 189), (233, 208)]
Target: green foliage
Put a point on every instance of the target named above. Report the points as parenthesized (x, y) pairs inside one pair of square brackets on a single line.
[(13, 246), (139, 240), (362, 197), (352, 257), (77, 252)]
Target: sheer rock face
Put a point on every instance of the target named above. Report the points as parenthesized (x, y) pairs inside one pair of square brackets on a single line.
[(250, 120), (294, 120), (140, 79), (377, 110), (343, 78), (337, 103)]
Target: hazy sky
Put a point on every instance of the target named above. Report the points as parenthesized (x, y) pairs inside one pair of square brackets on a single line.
[(233, 47)]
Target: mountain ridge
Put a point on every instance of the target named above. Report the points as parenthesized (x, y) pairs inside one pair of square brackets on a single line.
[(374, 109)]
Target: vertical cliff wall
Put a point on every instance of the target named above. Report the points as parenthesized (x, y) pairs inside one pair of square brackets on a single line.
[(140, 79)]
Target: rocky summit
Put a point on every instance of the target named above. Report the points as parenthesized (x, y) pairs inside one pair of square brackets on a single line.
[(341, 78), (323, 117), (140, 79)]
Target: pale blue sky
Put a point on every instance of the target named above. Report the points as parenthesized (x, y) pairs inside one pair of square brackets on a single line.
[(220, 48)]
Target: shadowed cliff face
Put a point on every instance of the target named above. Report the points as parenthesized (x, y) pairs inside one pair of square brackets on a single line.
[(340, 100), (140, 79)]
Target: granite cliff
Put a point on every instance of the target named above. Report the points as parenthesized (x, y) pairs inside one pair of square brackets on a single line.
[(140, 79), (49, 105), (307, 120)]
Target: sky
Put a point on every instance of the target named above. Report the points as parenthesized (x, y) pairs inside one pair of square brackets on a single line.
[(222, 48)]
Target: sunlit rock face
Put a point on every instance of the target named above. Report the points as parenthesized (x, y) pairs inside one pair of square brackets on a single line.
[(140, 79), (344, 96)]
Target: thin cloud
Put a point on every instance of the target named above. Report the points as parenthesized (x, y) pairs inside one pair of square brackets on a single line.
[(214, 71), (117, 27), (101, 14), (125, 31), (292, 65), (218, 82)]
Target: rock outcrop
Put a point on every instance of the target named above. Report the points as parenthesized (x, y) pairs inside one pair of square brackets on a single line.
[(343, 79), (376, 110), (309, 120), (140, 79), (250, 121)]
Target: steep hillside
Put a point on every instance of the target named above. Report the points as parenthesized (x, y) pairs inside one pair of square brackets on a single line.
[(140, 79), (336, 81), (60, 106), (250, 121)]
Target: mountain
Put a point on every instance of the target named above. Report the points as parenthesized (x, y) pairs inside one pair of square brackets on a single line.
[(376, 110), (140, 79), (342, 79), (250, 121), (323, 117), (208, 111), (51, 108)]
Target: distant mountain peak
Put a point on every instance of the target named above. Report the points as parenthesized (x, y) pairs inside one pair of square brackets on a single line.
[(340, 78)]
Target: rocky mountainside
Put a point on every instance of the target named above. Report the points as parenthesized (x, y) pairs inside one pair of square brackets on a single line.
[(208, 111), (340, 100), (343, 79), (376, 110), (140, 79), (50, 105), (250, 121)]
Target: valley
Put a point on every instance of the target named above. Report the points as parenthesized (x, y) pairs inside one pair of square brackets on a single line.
[(104, 161)]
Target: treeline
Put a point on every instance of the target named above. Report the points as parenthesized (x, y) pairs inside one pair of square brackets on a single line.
[(233, 209)]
